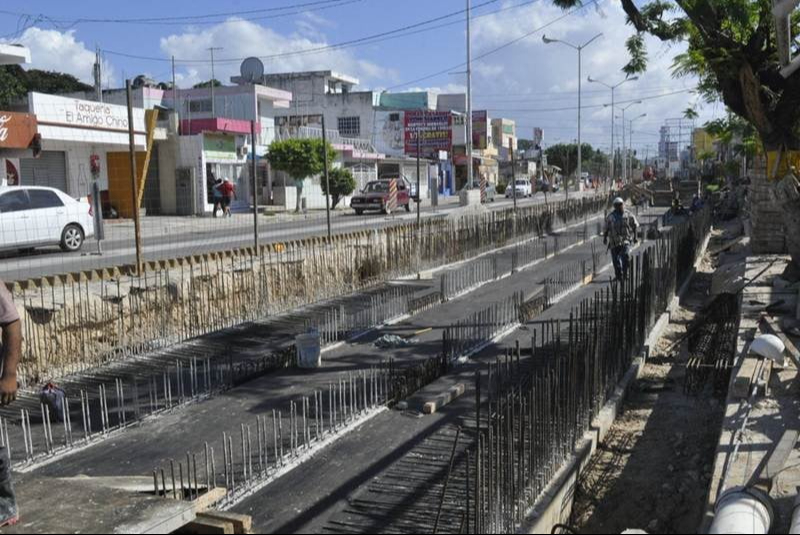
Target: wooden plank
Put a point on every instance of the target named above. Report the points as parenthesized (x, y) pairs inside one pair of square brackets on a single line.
[(777, 459), (241, 523), (442, 400), (771, 326), (745, 376), (208, 500), (208, 526)]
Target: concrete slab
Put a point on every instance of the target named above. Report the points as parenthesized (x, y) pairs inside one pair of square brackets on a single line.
[(96, 505)]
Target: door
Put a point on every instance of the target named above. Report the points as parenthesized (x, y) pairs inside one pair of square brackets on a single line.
[(14, 219), (48, 216), (49, 170)]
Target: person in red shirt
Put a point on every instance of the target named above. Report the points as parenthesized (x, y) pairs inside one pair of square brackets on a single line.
[(10, 353), (228, 191)]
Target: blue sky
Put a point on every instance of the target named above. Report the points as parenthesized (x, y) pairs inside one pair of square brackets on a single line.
[(528, 81)]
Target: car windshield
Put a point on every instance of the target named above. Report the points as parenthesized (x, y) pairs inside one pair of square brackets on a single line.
[(377, 187), (522, 182)]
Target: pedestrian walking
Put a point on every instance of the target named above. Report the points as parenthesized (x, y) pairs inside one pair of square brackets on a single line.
[(228, 191), (217, 196), (622, 231), (10, 353)]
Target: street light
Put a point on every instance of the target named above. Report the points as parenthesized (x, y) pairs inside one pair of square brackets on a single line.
[(613, 89), (623, 108), (579, 48), (630, 142)]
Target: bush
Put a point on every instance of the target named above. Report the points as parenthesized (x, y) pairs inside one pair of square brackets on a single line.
[(501, 188), (342, 184)]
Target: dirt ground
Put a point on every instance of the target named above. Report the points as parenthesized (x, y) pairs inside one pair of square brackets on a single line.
[(653, 470)]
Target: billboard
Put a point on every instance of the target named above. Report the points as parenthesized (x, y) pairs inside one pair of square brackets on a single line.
[(389, 135), (480, 130), (435, 131)]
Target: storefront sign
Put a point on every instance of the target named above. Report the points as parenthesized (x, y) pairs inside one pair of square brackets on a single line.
[(59, 117), (17, 130), (219, 147), (432, 131)]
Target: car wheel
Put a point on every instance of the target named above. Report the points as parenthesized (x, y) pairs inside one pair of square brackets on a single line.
[(72, 238), (408, 208)]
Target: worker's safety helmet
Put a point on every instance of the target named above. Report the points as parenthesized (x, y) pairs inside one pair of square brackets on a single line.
[(618, 201)]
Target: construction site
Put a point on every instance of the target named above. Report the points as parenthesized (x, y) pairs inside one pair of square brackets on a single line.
[(475, 374)]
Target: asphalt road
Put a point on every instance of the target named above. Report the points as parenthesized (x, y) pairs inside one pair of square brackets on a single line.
[(174, 237)]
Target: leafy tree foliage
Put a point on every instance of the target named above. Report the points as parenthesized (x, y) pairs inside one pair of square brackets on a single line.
[(732, 50), (16, 82), (342, 184), (300, 159)]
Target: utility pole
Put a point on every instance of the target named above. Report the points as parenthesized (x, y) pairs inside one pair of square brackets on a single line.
[(134, 181), (419, 196), (470, 171), (213, 79), (513, 172), (255, 185), (327, 178), (98, 76)]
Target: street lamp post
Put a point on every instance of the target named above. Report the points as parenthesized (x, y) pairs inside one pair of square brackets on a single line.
[(613, 89), (579, 48), (624, 157), (630, 141)]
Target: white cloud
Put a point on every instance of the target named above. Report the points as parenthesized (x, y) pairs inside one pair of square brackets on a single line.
[(241, 39), (532, 75), (53, 50)]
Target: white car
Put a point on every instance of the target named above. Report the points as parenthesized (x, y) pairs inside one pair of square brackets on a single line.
[(523, 187), (33, 217)]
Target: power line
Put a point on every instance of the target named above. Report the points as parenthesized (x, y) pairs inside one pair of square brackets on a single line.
[(499, 48), (184, 19), (572, 108), (404, 31)]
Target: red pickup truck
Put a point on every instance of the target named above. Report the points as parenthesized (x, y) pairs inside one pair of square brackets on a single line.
[(375, 197)]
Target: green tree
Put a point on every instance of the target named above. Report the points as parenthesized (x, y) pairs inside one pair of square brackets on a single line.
[(342, 184), (300, 159), (16, 82), (732, 49), (565, 156), (207, 84), (11, 88)]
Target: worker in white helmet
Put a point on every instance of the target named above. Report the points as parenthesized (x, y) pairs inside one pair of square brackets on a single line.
[(622, 231)]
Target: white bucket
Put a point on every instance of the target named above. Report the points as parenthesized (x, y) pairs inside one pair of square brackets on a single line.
[(309, 350)]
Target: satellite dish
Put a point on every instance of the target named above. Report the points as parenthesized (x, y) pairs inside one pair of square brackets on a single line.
[(252, 70)]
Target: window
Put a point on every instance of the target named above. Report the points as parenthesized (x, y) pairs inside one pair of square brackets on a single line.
[(44, 199), (14, 201), (350, 126), (200, 106)]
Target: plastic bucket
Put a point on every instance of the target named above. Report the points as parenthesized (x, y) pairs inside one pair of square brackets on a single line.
[(309, 351)]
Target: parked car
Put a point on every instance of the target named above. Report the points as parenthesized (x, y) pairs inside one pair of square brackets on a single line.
[(33, 217), (523, 187), (375, 197), (491, 191)]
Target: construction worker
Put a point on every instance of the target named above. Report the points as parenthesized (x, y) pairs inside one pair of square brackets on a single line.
[(10, 352), (622, 231)]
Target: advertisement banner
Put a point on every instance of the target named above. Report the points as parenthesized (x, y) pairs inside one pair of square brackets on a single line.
[(17, 130), (480, 130), (390, 134), (434, 129), (219, 147)]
